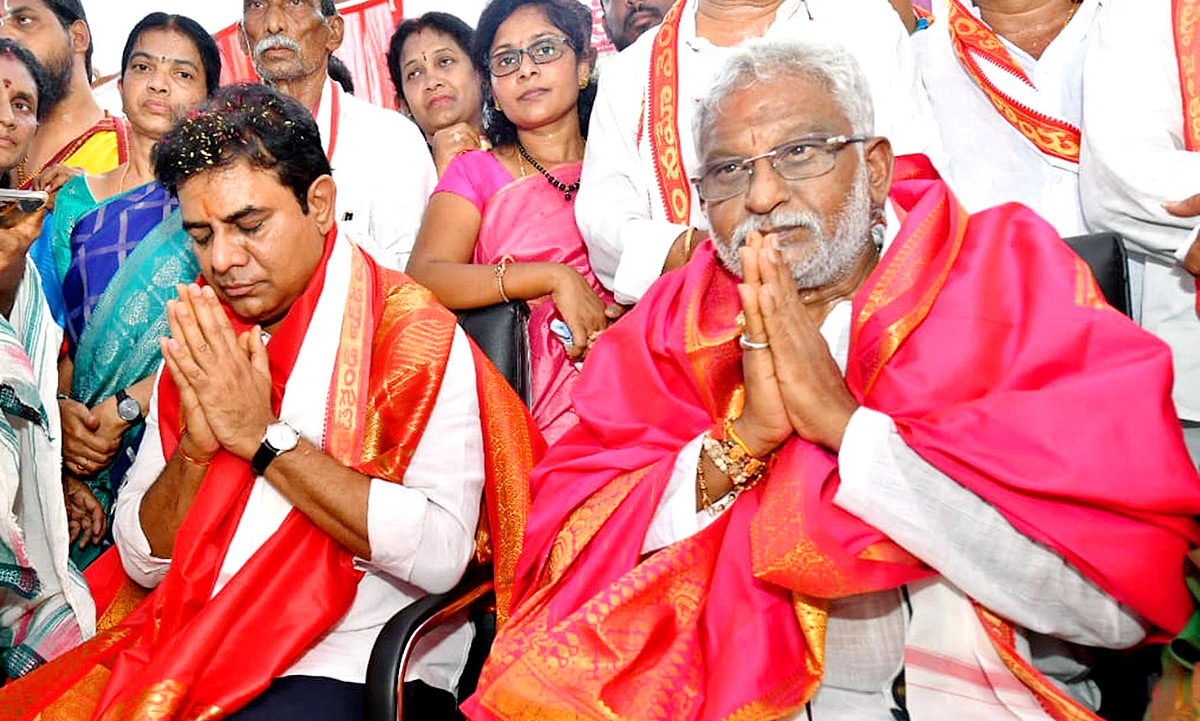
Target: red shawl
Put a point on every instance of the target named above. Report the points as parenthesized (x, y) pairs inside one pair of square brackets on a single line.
[(184, 654), (988, 343)]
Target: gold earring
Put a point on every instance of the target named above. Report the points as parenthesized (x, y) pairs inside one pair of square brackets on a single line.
[(583, 83), (497, 106)]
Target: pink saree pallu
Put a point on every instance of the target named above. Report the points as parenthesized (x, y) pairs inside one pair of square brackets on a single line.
[(530, 220)]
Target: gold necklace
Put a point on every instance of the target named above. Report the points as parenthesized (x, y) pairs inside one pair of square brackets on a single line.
[(124, 175), (521, 164)]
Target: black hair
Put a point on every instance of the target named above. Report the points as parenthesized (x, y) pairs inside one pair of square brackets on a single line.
[(250, 122), (569, 16), (329, 8), (206, 47), (67, 12), (339, 72), (14, 49), (432, 20)]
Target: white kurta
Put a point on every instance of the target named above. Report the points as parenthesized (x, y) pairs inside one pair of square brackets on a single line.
[(619, 209), (1134, 159), (422, 533), (990, 161), (384, 175)]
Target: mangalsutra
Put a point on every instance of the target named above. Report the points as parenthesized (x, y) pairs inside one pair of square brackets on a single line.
[(567, 190)]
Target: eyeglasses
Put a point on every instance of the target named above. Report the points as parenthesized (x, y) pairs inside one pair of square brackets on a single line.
[(542, 51), (794, 160)]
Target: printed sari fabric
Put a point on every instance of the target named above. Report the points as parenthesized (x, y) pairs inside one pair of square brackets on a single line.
[(45, 608), (126, 255), (532, 221), (1050, 403)]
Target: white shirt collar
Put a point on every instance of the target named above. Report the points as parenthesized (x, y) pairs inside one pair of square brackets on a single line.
[(687, 24)]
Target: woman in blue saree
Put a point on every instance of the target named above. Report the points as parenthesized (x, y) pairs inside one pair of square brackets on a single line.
[(120, 248)]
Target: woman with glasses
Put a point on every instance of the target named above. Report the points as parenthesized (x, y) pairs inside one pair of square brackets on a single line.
[(501, 223)]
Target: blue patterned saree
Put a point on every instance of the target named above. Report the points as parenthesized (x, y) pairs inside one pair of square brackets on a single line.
[(127, 255)]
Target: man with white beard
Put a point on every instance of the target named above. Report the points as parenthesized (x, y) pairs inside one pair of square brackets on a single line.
[(380, 162), (872, 447)]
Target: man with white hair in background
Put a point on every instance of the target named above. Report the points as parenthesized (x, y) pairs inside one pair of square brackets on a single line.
[(380, 162), (884, 463), (635, 207)]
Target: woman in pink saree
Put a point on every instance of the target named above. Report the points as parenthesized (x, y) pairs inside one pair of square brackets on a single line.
[(501, 223)]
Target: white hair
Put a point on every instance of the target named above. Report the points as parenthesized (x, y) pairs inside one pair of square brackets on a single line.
[(768, 59)]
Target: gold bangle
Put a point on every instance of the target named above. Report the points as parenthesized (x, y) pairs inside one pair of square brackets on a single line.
[(705, 499), (501, 269), (733, 436), (188, 459)]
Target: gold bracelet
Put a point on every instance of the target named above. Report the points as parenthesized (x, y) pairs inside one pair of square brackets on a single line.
[(705, 499), (501, 269), (732, 435), (687, 243), (188, 459)]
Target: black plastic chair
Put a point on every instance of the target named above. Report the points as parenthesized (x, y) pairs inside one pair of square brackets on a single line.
[(1105, 255), (502, 332)]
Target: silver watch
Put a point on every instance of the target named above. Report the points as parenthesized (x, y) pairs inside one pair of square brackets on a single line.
[(279, 439)]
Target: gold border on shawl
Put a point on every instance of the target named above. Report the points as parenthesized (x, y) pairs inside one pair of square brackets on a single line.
[(344, 423), (899, 278), (586, 521), (1186, 17), (164, 700), (664, 119), (507, 429), (1052, 699), (128, 597)]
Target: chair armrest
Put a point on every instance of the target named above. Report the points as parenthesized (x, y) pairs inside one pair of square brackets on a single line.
[(393, 649)]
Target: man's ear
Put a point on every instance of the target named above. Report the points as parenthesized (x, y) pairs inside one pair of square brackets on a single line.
[(337, 32), (877, 154), (81, 38), (322, 202), (244, 38)]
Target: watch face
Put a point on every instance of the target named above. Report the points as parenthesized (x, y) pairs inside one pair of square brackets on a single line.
[(129, 410), (282, 437)]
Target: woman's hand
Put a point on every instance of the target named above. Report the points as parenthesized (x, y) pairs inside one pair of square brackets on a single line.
[(85, 516), (91, 436), (451, 142), (581, 308)]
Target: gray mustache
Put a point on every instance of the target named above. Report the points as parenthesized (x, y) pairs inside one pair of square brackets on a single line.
[(271, 42), (776, 219)]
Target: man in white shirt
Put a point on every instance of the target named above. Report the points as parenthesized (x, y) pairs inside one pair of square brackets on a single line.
[(864, 483), (635, 207), (1006, 84), (314, 455), (379, 158), (1139, 156)]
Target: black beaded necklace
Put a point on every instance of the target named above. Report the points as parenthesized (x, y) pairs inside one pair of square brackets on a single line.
[(567, 190)]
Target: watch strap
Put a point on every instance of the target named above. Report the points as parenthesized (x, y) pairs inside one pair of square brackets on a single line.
[(263, 457), (122, 395)]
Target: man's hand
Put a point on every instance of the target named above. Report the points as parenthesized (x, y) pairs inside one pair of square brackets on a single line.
[(85, 516), (1188, 208), (818, 403), (224, 381), (764, 423), (451, 142), (90, 437)]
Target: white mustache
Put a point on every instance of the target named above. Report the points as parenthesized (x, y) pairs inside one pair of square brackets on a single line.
[(271, 42), (774, 219)]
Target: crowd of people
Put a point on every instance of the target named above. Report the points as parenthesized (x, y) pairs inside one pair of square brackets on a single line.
[(825, 421)]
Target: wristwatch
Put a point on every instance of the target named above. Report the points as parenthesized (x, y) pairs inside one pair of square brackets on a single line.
[(279, 439), (128, 408)]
